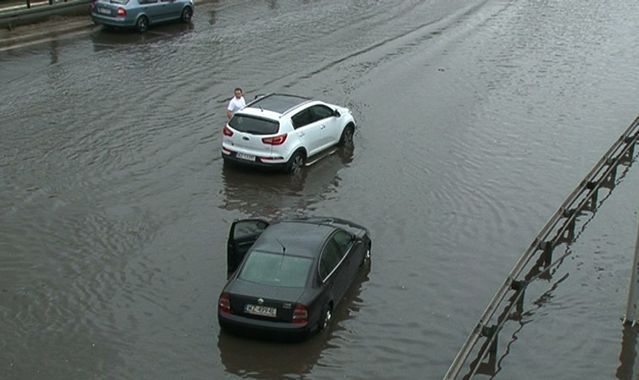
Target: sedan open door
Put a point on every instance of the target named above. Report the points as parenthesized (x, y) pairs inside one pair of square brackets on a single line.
[(242, 235)]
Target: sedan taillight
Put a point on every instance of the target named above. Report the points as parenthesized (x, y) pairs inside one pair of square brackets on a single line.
[(227, 132), (224, 304), (121, 12), (275, 140), (300, 314)]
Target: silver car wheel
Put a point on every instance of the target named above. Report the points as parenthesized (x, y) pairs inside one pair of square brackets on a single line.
[(142, 24), (187, 14)]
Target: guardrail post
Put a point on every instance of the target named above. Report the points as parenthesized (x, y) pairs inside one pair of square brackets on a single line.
[(568, 235), (518, 287), (626, 158), (631, 308), (547, 246), (488, 368), (591, 204), (609, 181)]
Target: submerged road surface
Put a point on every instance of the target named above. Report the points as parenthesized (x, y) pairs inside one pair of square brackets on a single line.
[(476, 120)]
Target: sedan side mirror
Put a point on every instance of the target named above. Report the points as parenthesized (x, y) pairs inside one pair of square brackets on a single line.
[(336, 113)]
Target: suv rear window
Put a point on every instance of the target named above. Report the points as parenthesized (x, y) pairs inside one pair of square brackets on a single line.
[(276, 270), (254, 125)]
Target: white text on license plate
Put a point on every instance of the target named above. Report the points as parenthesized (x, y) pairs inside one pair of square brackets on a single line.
[(260, 310), (246, 156), (104, 11)]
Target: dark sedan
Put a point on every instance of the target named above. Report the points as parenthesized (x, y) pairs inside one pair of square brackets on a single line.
[(286, 278)]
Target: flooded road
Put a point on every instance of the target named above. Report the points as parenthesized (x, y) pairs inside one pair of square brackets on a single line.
[(476, 120)]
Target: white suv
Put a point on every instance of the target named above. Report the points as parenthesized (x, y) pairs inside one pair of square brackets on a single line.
[(285, 131)]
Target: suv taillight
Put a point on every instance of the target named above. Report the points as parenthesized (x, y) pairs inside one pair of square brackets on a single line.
[(224, 304), (300, 314), (227, 132), (121, 12), (275, 140)]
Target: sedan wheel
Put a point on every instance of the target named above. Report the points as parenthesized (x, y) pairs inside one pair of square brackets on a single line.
[(367, 256), (187, 14), (326, 318), (142, 24), (295, 163)]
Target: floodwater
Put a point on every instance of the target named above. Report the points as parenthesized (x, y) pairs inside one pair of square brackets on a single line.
[(476, 120)]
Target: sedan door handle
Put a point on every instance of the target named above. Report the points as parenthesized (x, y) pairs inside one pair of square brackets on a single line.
[(322, 126)]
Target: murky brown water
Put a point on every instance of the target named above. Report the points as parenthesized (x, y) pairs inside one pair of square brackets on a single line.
[(476, 119)]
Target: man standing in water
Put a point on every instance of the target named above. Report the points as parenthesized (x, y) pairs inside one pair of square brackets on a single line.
[(236, 103)]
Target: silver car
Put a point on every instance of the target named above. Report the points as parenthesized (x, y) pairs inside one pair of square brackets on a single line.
[(139, 14)]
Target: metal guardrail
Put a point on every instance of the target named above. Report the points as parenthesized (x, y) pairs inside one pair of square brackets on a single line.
[(560, 229), (12, 16)]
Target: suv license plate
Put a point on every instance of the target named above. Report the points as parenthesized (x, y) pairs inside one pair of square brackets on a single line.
[(264, 311), (245, 156)]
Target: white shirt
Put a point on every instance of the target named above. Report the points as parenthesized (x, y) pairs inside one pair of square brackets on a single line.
[(236, 104)]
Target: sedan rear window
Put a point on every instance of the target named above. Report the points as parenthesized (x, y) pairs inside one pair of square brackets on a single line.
[(121, 2), (276, 270), (254, 125)]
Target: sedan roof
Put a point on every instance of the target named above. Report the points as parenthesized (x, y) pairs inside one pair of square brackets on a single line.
[(298, 238)]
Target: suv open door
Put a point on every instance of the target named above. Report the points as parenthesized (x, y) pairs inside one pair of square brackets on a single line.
[(242, 235)]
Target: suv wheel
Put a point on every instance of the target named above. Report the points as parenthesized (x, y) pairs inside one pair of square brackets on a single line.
[(295, 163), (367, 256), (347, 135)]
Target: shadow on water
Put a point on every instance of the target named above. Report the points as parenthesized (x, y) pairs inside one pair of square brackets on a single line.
[(271, 194), (263, 359)]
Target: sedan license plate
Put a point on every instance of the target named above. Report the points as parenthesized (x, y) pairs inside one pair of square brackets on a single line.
[(104, 11), (243, 156), (263, 311)]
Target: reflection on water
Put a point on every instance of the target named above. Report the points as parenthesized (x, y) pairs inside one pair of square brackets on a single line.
[(274, 360), (109, 38), (270, 194), (54, 51), (628, 353)]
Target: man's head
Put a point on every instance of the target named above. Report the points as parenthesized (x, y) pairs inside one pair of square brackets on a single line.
[(238, 92)]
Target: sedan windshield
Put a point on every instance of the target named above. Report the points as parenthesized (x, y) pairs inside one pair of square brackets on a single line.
[(276, 269), (254, 125)]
